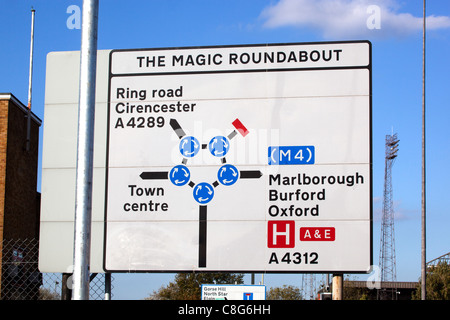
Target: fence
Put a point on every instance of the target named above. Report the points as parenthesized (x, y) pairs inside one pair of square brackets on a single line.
[(20, 278)]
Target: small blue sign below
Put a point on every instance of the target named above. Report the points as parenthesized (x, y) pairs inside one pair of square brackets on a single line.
[(248, 295), (291, 155)]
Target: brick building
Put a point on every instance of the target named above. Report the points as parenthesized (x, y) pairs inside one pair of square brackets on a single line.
[(19, 199)]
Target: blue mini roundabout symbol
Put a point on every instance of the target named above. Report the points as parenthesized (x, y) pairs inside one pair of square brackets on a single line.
[(203, 192), (189, 146), (219, 146), (228, 175), (179, 175)]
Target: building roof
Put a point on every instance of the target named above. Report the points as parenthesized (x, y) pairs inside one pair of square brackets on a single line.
[(380, 285), (10, 96)]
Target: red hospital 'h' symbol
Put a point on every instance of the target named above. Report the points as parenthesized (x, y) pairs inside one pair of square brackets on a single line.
[(281, 234)]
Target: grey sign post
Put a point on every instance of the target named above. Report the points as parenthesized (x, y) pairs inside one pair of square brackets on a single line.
[(85, 147)]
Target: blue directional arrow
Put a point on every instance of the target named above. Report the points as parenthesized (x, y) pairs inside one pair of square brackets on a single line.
[(219, 146), (228, 174), (189, 146), (203, 192), (179, 175)]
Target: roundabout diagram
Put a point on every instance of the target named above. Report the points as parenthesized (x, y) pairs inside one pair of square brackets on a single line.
[(203, 192)]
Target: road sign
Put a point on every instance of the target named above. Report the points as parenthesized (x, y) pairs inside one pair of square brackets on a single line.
[(233, 292), (240, 158)]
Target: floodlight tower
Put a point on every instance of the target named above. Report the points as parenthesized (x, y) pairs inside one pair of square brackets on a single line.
[(387, 247), (309, 286)]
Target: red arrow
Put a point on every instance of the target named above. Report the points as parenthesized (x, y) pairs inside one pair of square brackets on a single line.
[(240, 127)]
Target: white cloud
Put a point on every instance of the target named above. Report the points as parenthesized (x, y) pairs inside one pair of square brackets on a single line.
[(400, 213), (348, 18)]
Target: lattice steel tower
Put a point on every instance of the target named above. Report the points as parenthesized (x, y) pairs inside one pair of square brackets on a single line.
[(309, 289), (387, 246)]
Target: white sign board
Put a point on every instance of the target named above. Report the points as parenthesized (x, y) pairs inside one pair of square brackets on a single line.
[(233, 292), (59, 158), (240, 158)]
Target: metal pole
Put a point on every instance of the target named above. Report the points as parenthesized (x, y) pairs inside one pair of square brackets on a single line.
[(66, 291), (424, 271), (30, 77), (86, 113), (338, 287), (327, 287), (107, 286)]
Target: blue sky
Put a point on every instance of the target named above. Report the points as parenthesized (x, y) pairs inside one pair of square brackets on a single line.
[(396, 36)]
